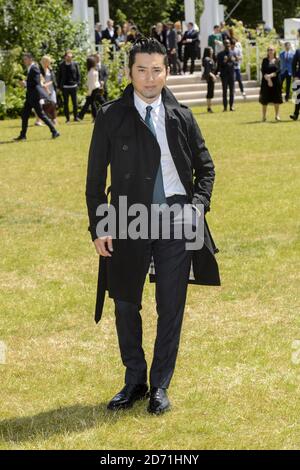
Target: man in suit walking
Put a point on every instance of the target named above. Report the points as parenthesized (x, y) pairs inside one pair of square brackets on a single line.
[(157, 156), (34, 95), (296, 77), (190, 40)]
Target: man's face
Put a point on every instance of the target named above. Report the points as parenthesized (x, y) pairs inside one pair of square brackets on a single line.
[(110, 24), (69, 57), (217, 30), (227, 44), (287, 46), (148, 75), (27, 61)]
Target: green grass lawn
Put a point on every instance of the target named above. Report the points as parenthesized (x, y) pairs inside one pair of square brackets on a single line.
[(236, 384)]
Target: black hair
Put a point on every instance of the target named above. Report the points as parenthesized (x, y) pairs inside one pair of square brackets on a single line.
[(90, 63), (28, 55), (146, 46), (216, 26), (207, 53)]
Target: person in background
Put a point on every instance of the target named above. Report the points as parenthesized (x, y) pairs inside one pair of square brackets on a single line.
[(34, 94), (119, 36), (159, 33), (238, 54), (93, 85), (296, 77), (68, 82), (178, 29), (124, 32), (103, 77), (209, 68), (111, 35), (171, 46), (215, 41), (224, 31), (286, 65), (98, 33), (226, 60), (190, 40), (270, 90), (50, 85), (133, 34)]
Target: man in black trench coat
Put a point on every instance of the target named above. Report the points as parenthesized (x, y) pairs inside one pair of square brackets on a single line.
[(156, 155)]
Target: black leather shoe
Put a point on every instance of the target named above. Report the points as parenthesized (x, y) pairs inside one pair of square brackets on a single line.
[(292, 116), (128, 395), (20, 138), (159, 402), (55, 135)]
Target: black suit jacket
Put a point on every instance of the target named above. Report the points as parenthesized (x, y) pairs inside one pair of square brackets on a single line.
[(112, 39), (34, 89), (296, 64), (171, 39), (98, 37)]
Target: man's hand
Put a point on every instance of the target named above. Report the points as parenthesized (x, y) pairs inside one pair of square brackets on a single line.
[(103, 244)]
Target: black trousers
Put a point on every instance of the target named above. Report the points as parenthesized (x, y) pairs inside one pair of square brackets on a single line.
[(172, 58), (288, 78), (35, 104), (172, 267), (67, 92), (189, 54), (297, 110), (228, 82), (92, 101)]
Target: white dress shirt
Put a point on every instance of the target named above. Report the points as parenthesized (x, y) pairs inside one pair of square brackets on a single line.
[(171, 180)]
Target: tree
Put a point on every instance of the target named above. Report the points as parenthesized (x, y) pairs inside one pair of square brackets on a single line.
[(250, 11), (39, 26)]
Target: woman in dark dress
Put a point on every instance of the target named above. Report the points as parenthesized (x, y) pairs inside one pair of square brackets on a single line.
[(270, 90), (209, 69)]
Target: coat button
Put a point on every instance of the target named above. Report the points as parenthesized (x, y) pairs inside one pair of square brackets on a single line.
[(148, 178), (127, 176), (125, 147)]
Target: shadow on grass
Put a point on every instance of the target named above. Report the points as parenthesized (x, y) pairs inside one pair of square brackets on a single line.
[(266, 122), (68, 419), (7, 142)]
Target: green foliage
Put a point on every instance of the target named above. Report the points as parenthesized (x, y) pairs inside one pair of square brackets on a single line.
[(144, 14), (250, 11), (117, 70), (39, 27), (250, 52)]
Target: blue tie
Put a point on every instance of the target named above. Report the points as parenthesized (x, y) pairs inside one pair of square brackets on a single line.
[(159, 196)]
